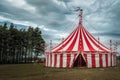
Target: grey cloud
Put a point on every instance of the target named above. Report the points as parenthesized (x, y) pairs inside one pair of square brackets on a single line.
[(66, 1), (49, 10), (100, 14), (108, 34), (16, 13), (109, 13)]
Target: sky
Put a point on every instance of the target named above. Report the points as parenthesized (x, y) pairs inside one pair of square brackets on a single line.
[(58, 18)]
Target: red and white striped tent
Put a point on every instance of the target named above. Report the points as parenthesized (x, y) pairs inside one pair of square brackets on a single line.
[(80, 48)]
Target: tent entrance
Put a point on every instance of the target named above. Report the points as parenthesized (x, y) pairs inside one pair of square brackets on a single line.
[(79, 62)]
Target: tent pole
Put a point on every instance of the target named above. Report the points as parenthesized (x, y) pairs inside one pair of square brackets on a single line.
[(80, 59), (111, 45)]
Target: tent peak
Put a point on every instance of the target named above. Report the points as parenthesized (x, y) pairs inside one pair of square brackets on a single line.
[(80, 20), (80, 14)]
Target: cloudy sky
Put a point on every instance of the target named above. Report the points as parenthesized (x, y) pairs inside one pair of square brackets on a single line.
[(57, 18)]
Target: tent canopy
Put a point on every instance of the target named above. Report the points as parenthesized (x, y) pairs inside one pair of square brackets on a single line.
[(80, 48), (80, 40)]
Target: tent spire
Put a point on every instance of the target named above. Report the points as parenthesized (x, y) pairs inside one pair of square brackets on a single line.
[(111, 45), (80, 20), (115, 46), (50, 45), (80, 14)]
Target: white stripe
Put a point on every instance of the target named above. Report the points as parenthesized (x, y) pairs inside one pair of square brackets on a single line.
[(109, 60), (89, 60), (85, 45), (97, 60), (115, 59), (53, 61), (99, 44), (93, 45), (48, 60), (71, 59), (58, 60), (75, 48), (103, 60), (64, 42), (112, 60), (83, 56), (64, 59), (68, 45)]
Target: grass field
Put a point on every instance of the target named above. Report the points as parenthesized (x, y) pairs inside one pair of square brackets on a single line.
[(39, 72)]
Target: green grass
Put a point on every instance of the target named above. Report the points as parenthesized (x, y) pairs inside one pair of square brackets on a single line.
[(39, 72)]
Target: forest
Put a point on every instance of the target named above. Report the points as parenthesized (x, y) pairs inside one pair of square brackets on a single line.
[(20, 45)]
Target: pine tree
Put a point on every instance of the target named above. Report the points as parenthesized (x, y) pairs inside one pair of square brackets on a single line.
[(18, 46)]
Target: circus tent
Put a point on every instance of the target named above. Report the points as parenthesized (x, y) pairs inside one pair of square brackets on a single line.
[(79, 49)]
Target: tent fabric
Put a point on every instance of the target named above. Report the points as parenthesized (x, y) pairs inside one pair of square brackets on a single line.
[(80, 44), (67, 60), (60, 60), (80, 40)]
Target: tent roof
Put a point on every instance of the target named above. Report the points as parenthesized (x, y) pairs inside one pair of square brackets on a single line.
[(80, 40)]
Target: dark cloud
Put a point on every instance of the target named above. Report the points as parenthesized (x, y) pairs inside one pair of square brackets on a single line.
[(15, 13), (50, 11), (66, 1)]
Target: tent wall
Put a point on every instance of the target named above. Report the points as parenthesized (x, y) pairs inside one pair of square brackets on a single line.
[(60, 60), (100, 60), (66, 60)]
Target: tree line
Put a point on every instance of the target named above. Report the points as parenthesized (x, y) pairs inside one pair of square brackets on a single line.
[(20, 45)]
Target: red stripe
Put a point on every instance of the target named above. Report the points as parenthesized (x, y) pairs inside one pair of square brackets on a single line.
[(66, 38), (47, 60), (100, 58), (63, 42), (68, 60), (85, 56), (95, 39), (61, 60), (82, 48), (80, 45), (73, 42), (106, 57), (93, 61), (88, 43), (55, 60), (50, 60), (111, 59), (96, 44)]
